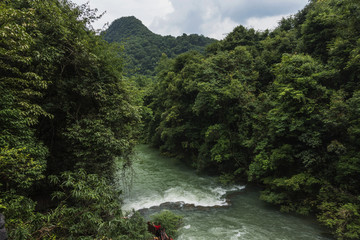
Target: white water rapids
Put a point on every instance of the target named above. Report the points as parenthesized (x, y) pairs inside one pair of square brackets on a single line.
[(207, 197)]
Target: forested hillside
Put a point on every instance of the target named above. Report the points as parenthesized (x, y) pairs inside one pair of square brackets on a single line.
[(68, 117), (143, 48), (279, 108)]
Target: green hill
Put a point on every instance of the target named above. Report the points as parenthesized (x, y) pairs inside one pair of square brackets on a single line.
[(144, 48)]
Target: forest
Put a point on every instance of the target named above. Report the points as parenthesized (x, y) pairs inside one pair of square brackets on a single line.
[(277, 108)]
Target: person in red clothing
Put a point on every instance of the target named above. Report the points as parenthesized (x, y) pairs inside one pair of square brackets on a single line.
[(157, 227), (157, 230), (154, 229)]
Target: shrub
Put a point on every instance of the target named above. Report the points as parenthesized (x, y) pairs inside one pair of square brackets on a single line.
[(168, 220)]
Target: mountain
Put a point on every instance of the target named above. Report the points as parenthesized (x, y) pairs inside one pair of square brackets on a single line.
[(144, 48), (126, 27)]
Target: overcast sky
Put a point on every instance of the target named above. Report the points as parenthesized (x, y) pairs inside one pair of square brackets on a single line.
[(212, 18)]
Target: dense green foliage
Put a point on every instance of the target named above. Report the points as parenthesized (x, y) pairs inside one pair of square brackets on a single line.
[(67, 115), (169, 221), (144, 48), (279, 108)]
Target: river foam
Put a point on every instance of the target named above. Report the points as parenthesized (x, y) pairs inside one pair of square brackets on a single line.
[(199, 197)]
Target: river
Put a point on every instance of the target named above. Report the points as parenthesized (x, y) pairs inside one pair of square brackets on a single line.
[(210, 210)]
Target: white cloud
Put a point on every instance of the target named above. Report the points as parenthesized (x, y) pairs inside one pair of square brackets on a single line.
[(218, 29), (159, 26), (208, 17), (263, 23), (201, 16), (144, 10)]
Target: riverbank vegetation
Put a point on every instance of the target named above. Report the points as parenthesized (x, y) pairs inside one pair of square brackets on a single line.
[(67, 114), (279, 108)]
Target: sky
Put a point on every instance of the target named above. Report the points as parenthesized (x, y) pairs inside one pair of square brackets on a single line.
[(211, 18)]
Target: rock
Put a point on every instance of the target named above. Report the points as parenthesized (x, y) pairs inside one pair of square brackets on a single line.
[(3, 235)]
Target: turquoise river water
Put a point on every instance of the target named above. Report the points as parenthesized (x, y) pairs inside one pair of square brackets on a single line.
[(210, 210)]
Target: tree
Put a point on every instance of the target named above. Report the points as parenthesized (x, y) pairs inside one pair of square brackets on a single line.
[(64, 106), (292, 148)]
